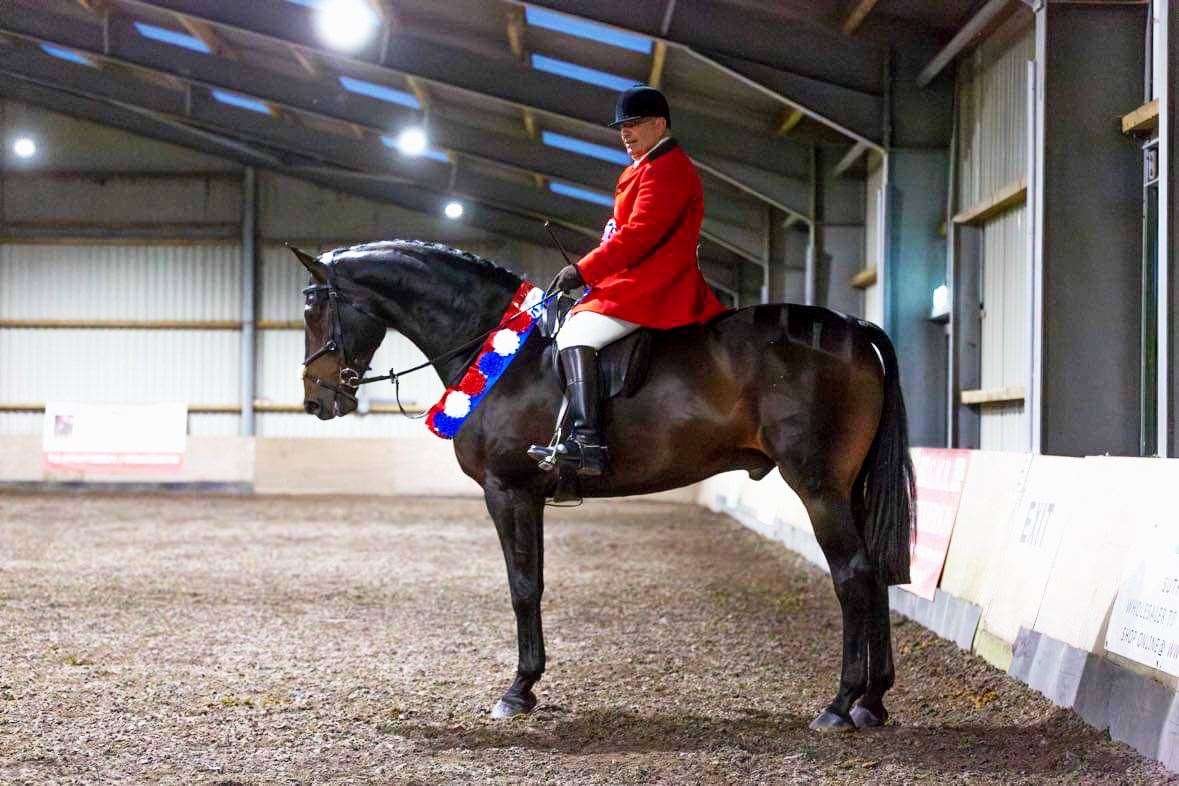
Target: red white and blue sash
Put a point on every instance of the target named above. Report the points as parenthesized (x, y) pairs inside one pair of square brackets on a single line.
[(495, 355)]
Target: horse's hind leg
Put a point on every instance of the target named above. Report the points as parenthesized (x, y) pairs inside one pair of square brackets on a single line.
[(855, 582), (869, 709), (519, 519)]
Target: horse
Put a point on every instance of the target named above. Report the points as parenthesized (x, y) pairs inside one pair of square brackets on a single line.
[(801, 388)]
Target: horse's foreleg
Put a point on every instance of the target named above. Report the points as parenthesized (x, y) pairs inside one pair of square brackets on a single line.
[(855, 586), (519, 518)]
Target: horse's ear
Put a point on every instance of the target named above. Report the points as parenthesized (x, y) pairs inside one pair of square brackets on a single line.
[(317, 269)]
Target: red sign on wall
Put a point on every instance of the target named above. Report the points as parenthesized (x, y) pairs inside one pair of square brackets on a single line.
[(941, 474)]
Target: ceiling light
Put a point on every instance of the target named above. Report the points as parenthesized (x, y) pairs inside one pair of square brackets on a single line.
[(24, 147), (346, 25), (412, 142), (454, 210)]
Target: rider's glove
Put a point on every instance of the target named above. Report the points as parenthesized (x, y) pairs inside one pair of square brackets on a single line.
[(569, 278)]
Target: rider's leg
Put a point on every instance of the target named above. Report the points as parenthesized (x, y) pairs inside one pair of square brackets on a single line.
[(593, 330), (578, 342)]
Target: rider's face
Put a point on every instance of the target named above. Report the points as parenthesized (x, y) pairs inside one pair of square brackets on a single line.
[(639, 136)]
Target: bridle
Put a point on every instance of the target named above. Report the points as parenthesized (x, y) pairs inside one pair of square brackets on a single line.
[(351, 378)]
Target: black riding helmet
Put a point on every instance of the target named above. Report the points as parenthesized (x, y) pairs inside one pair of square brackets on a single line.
[(638, 102)]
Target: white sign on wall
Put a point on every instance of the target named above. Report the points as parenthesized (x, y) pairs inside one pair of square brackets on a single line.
[(114, 436), (1144, 624)]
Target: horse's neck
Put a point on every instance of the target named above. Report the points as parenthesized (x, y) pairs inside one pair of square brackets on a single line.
[(438, 314)]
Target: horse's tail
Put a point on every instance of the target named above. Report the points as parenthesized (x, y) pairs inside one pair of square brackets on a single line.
[(886, 487)]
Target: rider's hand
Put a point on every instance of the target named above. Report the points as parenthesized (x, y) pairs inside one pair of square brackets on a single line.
[(569, 278)]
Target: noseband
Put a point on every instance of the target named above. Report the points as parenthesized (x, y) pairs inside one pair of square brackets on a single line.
[(350, 376)]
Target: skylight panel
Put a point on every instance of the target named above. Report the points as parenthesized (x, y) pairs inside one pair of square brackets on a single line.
[(584, 194), (561, 23), (582, 74), (173, 37), (580, 146), (429, 152), (380, 92), (242, 102), (67, 54)]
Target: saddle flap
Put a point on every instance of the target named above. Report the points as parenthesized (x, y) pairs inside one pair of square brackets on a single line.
[(623, 365)]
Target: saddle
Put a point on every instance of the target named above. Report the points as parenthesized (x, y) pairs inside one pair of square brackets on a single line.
[(622, 365), (622, 368)]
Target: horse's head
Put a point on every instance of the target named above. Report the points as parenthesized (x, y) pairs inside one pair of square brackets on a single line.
[(340, 336)]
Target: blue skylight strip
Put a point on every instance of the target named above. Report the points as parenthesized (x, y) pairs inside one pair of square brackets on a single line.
[(67, 54), (172, 37), (308, 3), (581, 73), (242, 102), (574, 145), (551, 20), (584, 194), (380, 92)]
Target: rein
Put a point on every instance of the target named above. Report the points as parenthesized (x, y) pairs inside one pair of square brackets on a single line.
[(353, 379)]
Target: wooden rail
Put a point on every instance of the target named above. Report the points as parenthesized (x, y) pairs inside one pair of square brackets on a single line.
[(1143, 120), (1011, 195), (864, 279), (1008, 395)]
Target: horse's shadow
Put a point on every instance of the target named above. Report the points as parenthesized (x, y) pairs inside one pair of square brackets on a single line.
[(1055, 746)]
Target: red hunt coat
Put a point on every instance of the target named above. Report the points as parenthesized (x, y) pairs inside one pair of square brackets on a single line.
[(645, 270)]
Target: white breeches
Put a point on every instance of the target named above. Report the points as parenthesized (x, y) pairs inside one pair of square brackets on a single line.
[(589, 329)]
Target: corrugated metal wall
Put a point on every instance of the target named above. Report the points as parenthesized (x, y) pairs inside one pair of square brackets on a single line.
[(119, 282), (992, 152), (992, 106), (1005, 328)]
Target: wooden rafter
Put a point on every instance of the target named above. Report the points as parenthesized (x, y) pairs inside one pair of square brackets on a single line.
[(516, 31), (207, 36), (95, 6), (307, 61), (849, 160), (419, 90), (658, 57), (530, 125), (790, 119), (855, 17)]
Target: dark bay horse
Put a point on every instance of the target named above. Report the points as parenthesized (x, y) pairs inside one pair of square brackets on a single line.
[(804, 389)]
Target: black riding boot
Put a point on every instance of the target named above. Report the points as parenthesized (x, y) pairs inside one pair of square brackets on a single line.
[(585, 447)]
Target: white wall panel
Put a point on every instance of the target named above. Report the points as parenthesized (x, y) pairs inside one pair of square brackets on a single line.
[(992, 150), (120, 282), (1005, 328), (119, 365), (992, 105)]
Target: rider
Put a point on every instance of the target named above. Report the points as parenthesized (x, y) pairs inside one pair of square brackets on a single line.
[(643, 274)]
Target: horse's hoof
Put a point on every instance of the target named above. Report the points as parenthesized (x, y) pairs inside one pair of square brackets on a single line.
[(866, 718), (502, 711), (832, 721)]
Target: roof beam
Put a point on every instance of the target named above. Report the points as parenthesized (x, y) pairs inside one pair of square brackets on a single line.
[(994, 12), (541, 163), (856, 15), (368, 159), (833, 79), (509, 82)]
